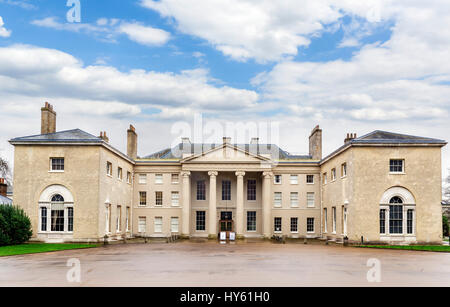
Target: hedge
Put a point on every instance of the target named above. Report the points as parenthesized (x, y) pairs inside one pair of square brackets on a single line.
[(15, 226)]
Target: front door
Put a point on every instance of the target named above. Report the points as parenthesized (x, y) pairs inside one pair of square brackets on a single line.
[(226, 222)]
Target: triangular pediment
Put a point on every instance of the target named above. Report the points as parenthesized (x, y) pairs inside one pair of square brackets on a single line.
[(226, 153)]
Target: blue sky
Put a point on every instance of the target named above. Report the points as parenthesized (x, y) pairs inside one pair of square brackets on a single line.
[(350, 66)]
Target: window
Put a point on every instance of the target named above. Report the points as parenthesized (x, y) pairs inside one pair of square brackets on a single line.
[(158, 224), (344, 170), (251, 189), (396, 166), (277, 199), (118, 218), (175, 178), (334, 219), (277, 224), (142, 224), (57, 164), (200, 221), (201, 190), (310, 179), (127, 222), (277, 179), (158, 179), (294, 179), (325, 220), (70, 219), (294, 199), (383, 221), (109, 168), (333, 174), (57, 213), (142, 198), (119, 173), (310, 224), (396, 215), (294, 224), (226, 190), (43, 219), (175, 199), (174, 224), (409, 221), (251, 220), (142, 178), (324, 178), (108, 219), (128, 177), (310, 200), (158, 198)]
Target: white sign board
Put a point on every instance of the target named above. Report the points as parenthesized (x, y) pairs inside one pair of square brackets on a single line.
[(232, 236), (223, 236)]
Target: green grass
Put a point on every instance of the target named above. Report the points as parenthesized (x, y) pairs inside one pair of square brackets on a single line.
[(34, 248), (429, 248)]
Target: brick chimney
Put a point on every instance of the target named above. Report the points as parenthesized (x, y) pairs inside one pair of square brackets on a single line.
[(3, 187), (350, 136), (315, 143), (132, 143), (103, 136), (48, 119)]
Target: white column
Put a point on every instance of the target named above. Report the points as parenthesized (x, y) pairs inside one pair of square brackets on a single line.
[(240, 204), (186, 209), (267, 203), (212, 204)]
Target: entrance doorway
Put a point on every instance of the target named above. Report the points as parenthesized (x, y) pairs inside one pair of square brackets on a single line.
[(226, 223)]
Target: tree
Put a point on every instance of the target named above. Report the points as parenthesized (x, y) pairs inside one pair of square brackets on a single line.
[(447, 188), (4, 167), (15, 226)]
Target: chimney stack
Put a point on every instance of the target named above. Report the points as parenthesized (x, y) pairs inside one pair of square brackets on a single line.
[(132, 143), (3, 187), (48, 119), (350, 137), (315, 143), (103, 136), (226, 140)]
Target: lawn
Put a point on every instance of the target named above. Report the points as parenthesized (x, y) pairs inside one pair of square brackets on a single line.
[(429, 248), (34, 248)]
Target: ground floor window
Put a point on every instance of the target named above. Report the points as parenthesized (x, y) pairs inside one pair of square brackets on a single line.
[(142, 224), (200, 221), (294, 224), (158, 224), (310, 224), (383, 221), (396, 219), (251, 220), (277, 224), (174, 224), (43, 219), (409, 221), (57, 216)]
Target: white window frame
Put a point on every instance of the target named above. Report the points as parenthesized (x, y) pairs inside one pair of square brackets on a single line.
[(275, 179), (156, 199), (294, 200), (325, 220), (175, 196), (159, 178), (118, 218), (174, 225), (142, 224), (308, 200), (146, 199), (51, 165), (290, 226), (334, 216), (128, 177), (108, 219), (109, 167), (313, 179), (325, 178), (277, 201), (281, 224), (402, 172), (293, 179), (333, 175), (120, 173), (344, 170), (142, 179), (158, 225), (127, 222), (177, 181), (313, 225)]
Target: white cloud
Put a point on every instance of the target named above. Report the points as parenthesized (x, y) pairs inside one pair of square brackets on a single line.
[(3, 31), (144, 35)]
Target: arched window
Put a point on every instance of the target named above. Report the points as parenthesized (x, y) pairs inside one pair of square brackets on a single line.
[(56, 210), (397, 212), (396, 200)]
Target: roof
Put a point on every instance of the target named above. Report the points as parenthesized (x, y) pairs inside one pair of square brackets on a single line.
[(445, 203), (75, 135), (199, 148), (5, 200), (379, 137)]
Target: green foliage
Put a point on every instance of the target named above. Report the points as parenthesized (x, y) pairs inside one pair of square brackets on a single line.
[(15, 226), (445, 226), (34, 248)]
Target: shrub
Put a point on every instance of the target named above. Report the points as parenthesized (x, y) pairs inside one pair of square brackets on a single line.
[(445, 226), (15, 226)]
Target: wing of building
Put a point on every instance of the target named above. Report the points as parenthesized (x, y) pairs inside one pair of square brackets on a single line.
[(381, 187)]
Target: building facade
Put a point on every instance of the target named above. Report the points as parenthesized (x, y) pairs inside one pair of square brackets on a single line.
[(381, 187)]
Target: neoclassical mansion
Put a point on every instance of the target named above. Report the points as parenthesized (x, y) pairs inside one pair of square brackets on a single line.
[(380, 187)]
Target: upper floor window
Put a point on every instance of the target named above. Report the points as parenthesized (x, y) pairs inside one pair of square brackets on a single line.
[(294, 199), (277, 199), (57, 164), (119, 173), (344, 170), (158, 198), (142, 198), (128, 177), (310, 179), (333, 174), (201, 190), (142, 178), (175, 178), (397, 166), (175, 198), (226, 190), (158, 179), (277, 179), (325, 178), (251, 189), (109, 168), (294, 179), (310, 199)]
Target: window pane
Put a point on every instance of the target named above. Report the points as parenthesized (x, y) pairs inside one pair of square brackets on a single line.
[(142, 198), (309, 178), (201, 220), (294, 179), (158, 224), (226, 190), (70, 219), (201, 190), (251, 189), (409, 222), (158, 178), (251, 221), (277, 179), (396, 166), (294, 199), (142, 224), (396, 219), (159, 198), (57, 164), (277, 199), (277, 224), (57, 220), (174, 224), (44, 219), (310, 199), (383, 221), (294, 224), (310, 224), (175, 199)]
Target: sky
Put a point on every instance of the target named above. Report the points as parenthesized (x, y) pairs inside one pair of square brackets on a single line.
[(349, 66)]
